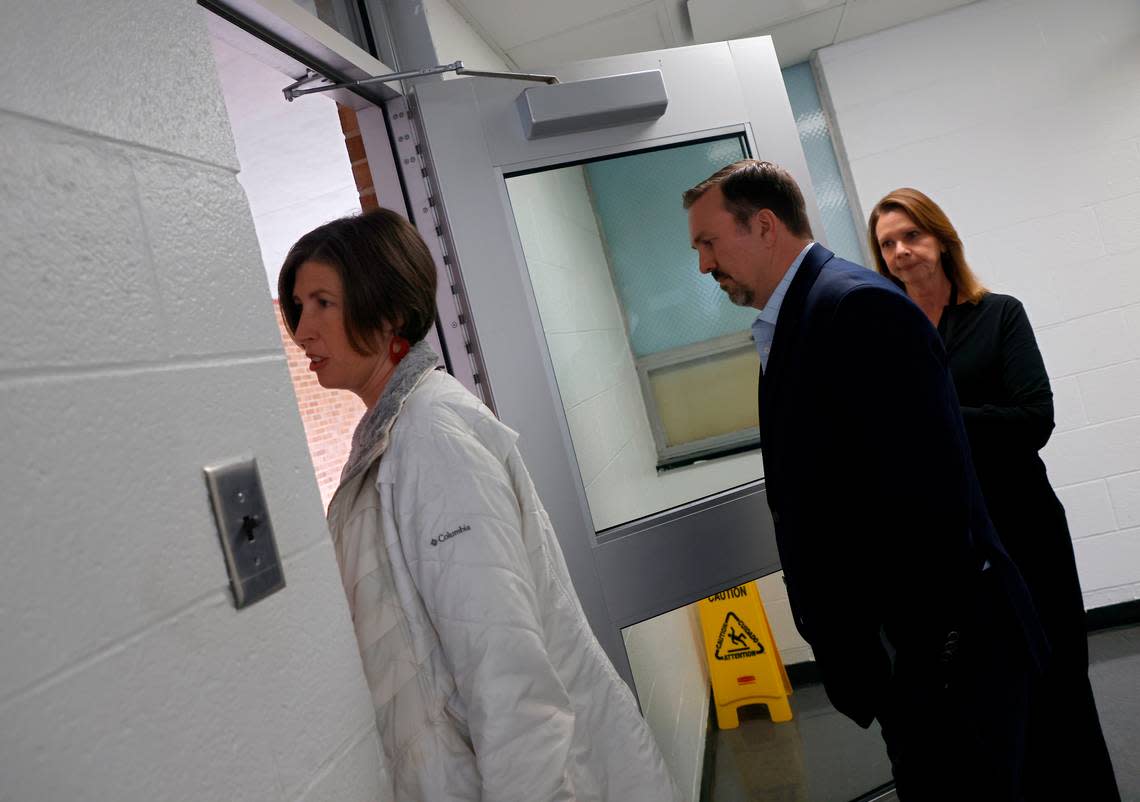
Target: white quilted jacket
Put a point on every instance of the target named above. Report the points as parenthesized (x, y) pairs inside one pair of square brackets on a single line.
[(486, 679)]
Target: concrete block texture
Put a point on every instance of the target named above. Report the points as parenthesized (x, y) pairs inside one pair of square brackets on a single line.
[(1088, 508), (208, 273), (1119, 221), (351, 776), (140, 347), (1109, 560), (135, 256), (137, 71), (213, 704), (1082, 455), (116, 529), (1125, 493), (73, 237), (1086, 343), (1022, 119), (1113, 392)]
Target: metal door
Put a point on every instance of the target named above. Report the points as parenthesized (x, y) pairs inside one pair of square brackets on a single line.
[(712, 529)]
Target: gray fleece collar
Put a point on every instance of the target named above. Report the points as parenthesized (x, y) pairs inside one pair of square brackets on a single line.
[(370, 439)]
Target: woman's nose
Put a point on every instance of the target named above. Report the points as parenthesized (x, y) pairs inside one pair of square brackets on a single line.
[(303, 331)]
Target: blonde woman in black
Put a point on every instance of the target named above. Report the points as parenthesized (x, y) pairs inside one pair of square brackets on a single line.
[(1007, 407)]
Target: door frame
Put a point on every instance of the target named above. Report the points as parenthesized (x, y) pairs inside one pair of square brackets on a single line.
[(289, 39)]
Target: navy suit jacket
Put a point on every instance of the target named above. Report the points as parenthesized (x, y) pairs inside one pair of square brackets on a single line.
[(879, 519)]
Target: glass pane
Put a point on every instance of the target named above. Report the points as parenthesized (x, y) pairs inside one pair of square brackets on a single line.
[(826, 180), (705, 398), (637, 198), (817, 756), (655, 367), (341, 16), (700, 399)]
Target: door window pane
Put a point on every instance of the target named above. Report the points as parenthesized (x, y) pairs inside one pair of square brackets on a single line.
[(655, 367), (342, 16)]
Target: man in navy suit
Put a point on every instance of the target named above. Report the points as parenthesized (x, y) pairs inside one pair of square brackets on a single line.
[(896, 577)]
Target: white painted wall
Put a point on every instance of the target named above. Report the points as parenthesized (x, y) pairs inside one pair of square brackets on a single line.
[(1022, 119), (666, 654), (139, 346), (456, 40), (294, 164)]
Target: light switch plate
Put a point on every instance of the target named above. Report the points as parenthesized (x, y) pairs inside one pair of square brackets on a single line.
[(245, 530)]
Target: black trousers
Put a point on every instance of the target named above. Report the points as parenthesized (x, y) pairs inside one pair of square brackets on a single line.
[(1067, 757), (960, 732)]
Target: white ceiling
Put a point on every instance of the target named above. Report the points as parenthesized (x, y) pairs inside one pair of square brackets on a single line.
[(537, 33)]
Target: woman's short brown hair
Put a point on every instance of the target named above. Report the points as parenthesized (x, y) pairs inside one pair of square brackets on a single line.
[(387, 271), (929, 217)]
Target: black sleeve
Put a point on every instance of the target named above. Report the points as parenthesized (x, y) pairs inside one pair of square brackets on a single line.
[(1025, 418)]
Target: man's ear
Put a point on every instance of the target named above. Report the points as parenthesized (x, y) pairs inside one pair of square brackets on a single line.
[(766, 220)]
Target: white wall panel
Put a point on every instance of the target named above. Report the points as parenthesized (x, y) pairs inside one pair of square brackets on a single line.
[(350, 776), (92, 67), (1022, 119), (73, 231), (1093, 452), (1086, 343), (1090, 286), (211, 705), (1112, 393), (1088, 508), (455, 40), (1109, 561), (1119, 221), (203, 248), (139, 347), (1125, 493)]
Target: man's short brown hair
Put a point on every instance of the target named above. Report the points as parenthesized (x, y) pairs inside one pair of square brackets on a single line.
[(750, 185), (385, 267)]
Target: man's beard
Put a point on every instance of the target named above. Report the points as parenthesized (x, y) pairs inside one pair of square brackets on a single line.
[(738, 294)]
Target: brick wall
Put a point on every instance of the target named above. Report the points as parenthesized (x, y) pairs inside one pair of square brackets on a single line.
[(360, 170)]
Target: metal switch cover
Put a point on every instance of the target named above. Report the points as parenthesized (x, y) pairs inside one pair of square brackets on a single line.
[(245, 531)]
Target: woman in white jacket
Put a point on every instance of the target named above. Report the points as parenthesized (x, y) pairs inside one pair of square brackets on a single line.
[(486, 679)]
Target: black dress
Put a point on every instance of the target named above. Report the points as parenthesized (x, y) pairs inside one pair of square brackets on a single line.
[(1007, 406)]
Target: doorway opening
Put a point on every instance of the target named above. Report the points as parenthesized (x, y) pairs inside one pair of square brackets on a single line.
[(302, 165)]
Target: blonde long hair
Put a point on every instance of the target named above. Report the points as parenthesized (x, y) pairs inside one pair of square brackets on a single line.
[(928, 216)]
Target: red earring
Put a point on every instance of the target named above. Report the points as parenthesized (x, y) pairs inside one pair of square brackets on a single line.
[(398, 348)]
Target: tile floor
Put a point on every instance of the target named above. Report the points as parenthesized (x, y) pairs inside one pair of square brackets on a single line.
[(821, 756)]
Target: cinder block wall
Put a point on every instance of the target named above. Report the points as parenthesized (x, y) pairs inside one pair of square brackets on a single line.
[(1023, 120), (140, 346)]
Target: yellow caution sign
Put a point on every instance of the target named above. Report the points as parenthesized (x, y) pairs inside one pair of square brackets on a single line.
[(744, 663)]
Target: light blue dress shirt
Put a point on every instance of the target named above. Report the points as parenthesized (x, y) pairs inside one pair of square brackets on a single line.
[(764, 326)]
